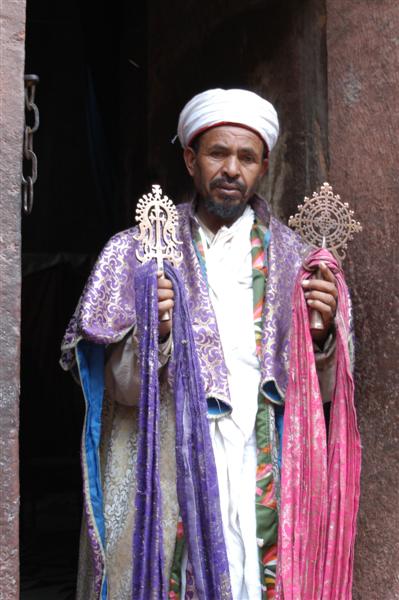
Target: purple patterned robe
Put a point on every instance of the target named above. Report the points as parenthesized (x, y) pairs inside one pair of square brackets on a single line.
[(106, 310)]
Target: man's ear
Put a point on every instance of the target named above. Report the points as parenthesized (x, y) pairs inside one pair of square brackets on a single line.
[(189, 158), (265, 166)]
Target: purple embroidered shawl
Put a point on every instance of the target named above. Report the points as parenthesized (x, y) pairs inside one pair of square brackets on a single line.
[(106, 309), (197, 486)]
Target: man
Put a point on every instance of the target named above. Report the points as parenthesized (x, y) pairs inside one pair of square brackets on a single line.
[(239, 269)]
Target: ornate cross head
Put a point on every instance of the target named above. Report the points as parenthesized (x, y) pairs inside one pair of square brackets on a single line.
[(157, 219), (325, 221)]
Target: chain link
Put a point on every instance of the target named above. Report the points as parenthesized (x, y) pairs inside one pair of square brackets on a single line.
[(28, 180)]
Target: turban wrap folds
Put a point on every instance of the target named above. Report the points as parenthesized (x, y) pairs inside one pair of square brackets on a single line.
[(228, 107)]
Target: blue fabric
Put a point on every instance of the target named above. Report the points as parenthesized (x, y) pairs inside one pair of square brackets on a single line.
[(218, 407), (266, 241), (270, 390), (91, 369), (279, 413)]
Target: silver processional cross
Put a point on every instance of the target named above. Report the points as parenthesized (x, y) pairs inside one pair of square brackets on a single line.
[(324, 221), (157, 220)]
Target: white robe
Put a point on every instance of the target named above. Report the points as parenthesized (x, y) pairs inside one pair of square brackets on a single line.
[(229, 273)]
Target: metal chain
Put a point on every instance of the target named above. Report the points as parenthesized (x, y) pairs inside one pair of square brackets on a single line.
[(28, 180)]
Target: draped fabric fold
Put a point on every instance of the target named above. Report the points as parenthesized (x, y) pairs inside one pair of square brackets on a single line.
[(197, 487), (320, 480), (148, 581)]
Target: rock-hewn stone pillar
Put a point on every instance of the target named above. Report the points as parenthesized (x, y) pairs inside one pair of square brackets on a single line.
[(363, 80), (12, 51)]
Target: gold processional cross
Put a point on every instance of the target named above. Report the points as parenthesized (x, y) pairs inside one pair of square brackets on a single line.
[(324, 221), (157, 219)]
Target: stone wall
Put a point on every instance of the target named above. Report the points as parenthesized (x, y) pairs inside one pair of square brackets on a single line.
[(363, 76), (12, 37)]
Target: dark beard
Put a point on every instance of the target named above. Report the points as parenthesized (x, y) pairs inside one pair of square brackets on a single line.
[(224, 210)]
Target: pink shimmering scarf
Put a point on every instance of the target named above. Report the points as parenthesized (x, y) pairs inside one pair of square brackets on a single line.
[(320, 481)]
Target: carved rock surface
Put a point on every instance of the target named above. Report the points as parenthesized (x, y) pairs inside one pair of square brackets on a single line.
[(363, 76), (12, 49)]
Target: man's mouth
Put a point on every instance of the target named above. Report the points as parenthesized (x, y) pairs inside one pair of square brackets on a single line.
[(229, 190), (228, 186)]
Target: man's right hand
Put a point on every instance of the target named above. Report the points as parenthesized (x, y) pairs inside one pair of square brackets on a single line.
[(165, 304)]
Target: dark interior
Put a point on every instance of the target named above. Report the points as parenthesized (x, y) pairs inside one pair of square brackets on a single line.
[(113, 78), (87, 86)]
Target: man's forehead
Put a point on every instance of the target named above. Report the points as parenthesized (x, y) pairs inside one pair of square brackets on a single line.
[(232, 134)]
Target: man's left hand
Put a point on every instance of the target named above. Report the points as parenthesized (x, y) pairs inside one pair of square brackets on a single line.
[(322, 294)]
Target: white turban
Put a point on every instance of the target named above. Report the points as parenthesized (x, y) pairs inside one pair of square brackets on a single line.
[(228, 107)]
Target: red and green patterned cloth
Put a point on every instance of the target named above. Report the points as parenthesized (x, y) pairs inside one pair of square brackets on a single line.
[(265, 493)]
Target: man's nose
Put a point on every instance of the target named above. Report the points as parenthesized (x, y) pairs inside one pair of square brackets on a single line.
[(231, 167)]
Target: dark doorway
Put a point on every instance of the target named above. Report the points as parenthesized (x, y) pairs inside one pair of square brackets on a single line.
[(91, 62), (113, 78)]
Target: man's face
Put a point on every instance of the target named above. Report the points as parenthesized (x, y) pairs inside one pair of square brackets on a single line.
[(226, 169)]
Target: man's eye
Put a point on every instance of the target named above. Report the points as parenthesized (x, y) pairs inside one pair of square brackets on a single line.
[(248, 158), (217, 154)]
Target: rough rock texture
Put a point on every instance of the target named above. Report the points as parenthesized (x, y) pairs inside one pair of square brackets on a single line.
[(12, 36), (363, 76)]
